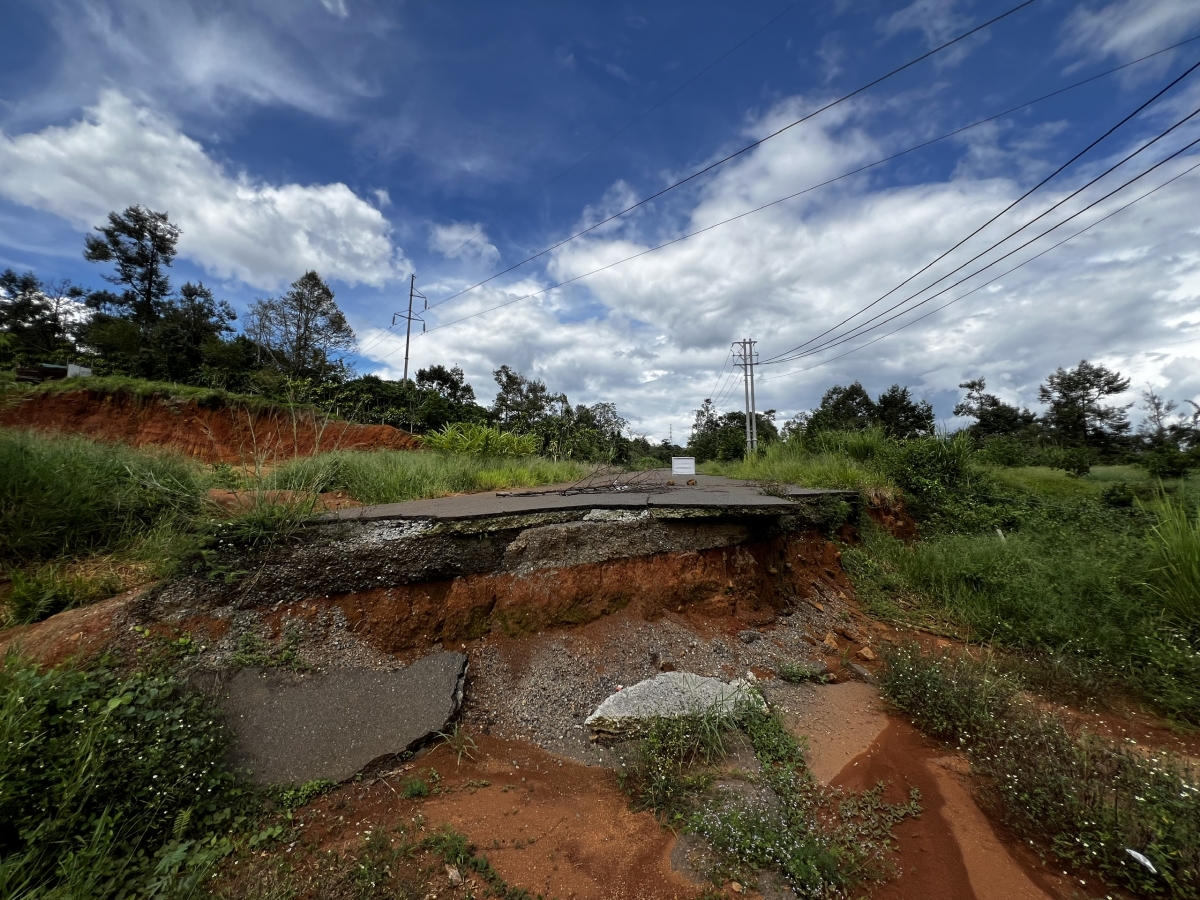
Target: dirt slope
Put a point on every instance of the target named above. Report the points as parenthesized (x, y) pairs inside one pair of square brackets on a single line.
[(228, 434)]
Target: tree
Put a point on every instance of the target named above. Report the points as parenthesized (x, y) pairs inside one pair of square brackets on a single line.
[(34, 317), (900, 416), (140, 243), (302, 331), (451, 384), (521, 403), (723, 437), (843, 409), (190, 322), (1156, 426), (1075, 415), (993, 417)]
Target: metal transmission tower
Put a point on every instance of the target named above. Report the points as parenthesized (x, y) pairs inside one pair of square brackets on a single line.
[(413, 294), (746, 358)]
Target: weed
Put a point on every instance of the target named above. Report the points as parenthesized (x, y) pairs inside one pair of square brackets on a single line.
[(292, 797), (1090, 799), (49, 590), (460, 743), (414, 788), (254, 651), (481, 440), (1175, 558), (795, 673), (454, 848)]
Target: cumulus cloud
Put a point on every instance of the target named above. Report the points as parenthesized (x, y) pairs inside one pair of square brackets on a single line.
[(652, 334), (234, 226)]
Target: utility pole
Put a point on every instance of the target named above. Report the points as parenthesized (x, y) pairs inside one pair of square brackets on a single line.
[(745, 357), (409, 318)]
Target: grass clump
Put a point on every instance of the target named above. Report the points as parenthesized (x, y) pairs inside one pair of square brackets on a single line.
[(45, 591), (1089, 799), (1175, 558), (63, 496), (109, 786), (390, 476), (820, 840)]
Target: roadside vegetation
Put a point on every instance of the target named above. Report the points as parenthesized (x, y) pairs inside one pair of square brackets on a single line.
[(779, 822), (1089, 800)]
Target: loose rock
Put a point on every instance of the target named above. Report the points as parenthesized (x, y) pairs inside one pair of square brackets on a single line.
[(830, 644), (670, 694), (749, 636)]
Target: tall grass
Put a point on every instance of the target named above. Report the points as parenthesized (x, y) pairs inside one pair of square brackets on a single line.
[(68, 495), (390, 476), (1175, 557)]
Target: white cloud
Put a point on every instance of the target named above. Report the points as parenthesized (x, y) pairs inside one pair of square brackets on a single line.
[(463, 240), (234, 226), (1128, 29), (651, 334), (336, 8)]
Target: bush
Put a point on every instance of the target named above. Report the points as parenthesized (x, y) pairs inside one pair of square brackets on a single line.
[(64, 495), (108, 787), (1168, 462), (480, 440)]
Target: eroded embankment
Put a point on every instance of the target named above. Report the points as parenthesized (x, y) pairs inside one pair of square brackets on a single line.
[(233, 434), (407, 584)]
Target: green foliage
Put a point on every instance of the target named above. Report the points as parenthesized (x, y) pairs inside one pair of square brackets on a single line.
[(794, 673), (46, 591), (109, 786), (385, 476), (1175, 558), (414, 788), (67, 495), (1090, 798), (295, 796), (481, 440), (659, 777), (1168, 461), (460, 743)]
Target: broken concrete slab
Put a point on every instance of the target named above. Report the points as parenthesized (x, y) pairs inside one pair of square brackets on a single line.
[(668, 695), (293, 728)]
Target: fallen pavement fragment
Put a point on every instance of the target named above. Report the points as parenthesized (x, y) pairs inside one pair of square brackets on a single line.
[(668, 695), (297, 728)]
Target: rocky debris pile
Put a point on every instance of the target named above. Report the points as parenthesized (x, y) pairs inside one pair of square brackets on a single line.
[(668, 695), (294, 728)]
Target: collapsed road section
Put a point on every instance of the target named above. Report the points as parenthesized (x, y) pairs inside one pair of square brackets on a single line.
[(412, 575)]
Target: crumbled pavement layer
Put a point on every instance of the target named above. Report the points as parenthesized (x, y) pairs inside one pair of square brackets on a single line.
[(293, 727), (669, 695)]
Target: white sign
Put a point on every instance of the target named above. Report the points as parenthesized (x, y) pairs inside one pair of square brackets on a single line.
[(683, 465)]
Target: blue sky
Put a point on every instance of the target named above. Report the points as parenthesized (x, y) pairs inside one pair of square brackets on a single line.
[(369, 140)]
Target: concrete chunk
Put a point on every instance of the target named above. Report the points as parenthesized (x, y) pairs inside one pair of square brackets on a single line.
[(296, 728), (667, 695)]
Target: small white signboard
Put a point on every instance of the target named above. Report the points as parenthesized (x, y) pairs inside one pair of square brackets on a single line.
[(683, 465)]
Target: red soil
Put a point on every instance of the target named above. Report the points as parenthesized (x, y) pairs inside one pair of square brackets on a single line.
[(750, 582), (549, 825), (78, 634), (227, 434)]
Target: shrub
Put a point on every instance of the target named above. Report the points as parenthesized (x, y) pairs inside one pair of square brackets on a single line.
[(37, 596), (481, 440), (1168, 462), (1175, 558)]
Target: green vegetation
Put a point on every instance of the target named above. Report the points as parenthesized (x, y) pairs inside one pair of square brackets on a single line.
[(1091, 800), (480, 440), (823, 841), (110, 786), (389, 476)]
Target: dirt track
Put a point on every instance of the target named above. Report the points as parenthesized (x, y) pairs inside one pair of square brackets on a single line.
[(227, 434)]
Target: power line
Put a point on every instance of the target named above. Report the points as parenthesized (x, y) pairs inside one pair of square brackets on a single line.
[(852, 336), (814, 187), (779, 356), (990, 281), (612, 137), (744, 149)]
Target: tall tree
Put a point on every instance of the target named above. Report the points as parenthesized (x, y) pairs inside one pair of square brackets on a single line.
[(522, 403), (1076, 414), (901, 416), (303, 331), (843, 409), (1156, 427), (191, 322), (140, 243), (34, 317), (993, 417), (451, 383)]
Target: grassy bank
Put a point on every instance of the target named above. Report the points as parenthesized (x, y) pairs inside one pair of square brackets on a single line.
[(1088, 800), (82, 520)]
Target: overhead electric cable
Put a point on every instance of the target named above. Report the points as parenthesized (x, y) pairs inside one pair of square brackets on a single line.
[(612, 137), (744, 149), (814, 187), (990, 281), (865, 330), (787, 353)]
